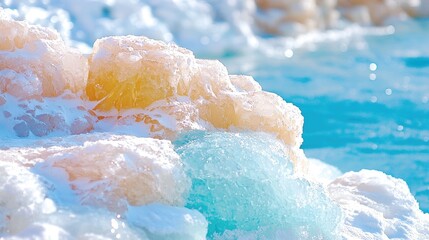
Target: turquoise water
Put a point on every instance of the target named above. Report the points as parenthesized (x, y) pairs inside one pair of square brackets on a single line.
[(244, 181), (365, 100)]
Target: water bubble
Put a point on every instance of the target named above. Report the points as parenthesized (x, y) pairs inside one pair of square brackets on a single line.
[(373, 99), (400, 128), (388, 91), (372, 66), (372, 76), (288, 53)]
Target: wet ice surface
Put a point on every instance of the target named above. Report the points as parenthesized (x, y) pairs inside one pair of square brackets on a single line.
[(365, 100)]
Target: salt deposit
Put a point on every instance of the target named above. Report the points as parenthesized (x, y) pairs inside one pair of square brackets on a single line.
[(209, 27), (378, 206), (235, 169), (109, 171), (134, 72)]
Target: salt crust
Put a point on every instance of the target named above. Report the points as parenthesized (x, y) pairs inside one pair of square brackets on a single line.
[(109, 171), (28, 212), (136, 72), (128, 73), (378, 206)]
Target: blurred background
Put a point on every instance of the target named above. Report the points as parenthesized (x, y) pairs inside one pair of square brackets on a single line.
[(357, 69)]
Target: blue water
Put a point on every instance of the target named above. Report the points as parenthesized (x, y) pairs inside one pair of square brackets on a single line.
[(244, 181), (365, 100)]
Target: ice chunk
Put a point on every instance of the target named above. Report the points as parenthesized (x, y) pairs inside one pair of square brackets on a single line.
[(41, 80), (378, 206), (244, 181), (166, 222), (109, 170), (37, 59), (135, 72)]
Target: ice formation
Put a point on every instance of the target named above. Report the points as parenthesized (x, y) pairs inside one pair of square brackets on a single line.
[(238, 169), (136, 72), (378, 206), (119, 173), (40, 81), (35, 62), (107, 170), (244, 181)]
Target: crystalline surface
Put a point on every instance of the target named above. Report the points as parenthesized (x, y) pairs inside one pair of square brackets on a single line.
[(40, 83), (38, 59), (165, 222), (108, 170), (136, 72), (243, 181), (378, 206), (60, 115), (21, 198)]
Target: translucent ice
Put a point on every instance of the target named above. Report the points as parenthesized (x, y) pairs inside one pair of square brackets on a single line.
[(244, 181)]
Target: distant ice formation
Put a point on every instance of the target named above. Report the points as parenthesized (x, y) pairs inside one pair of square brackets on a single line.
[(207, 26)]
